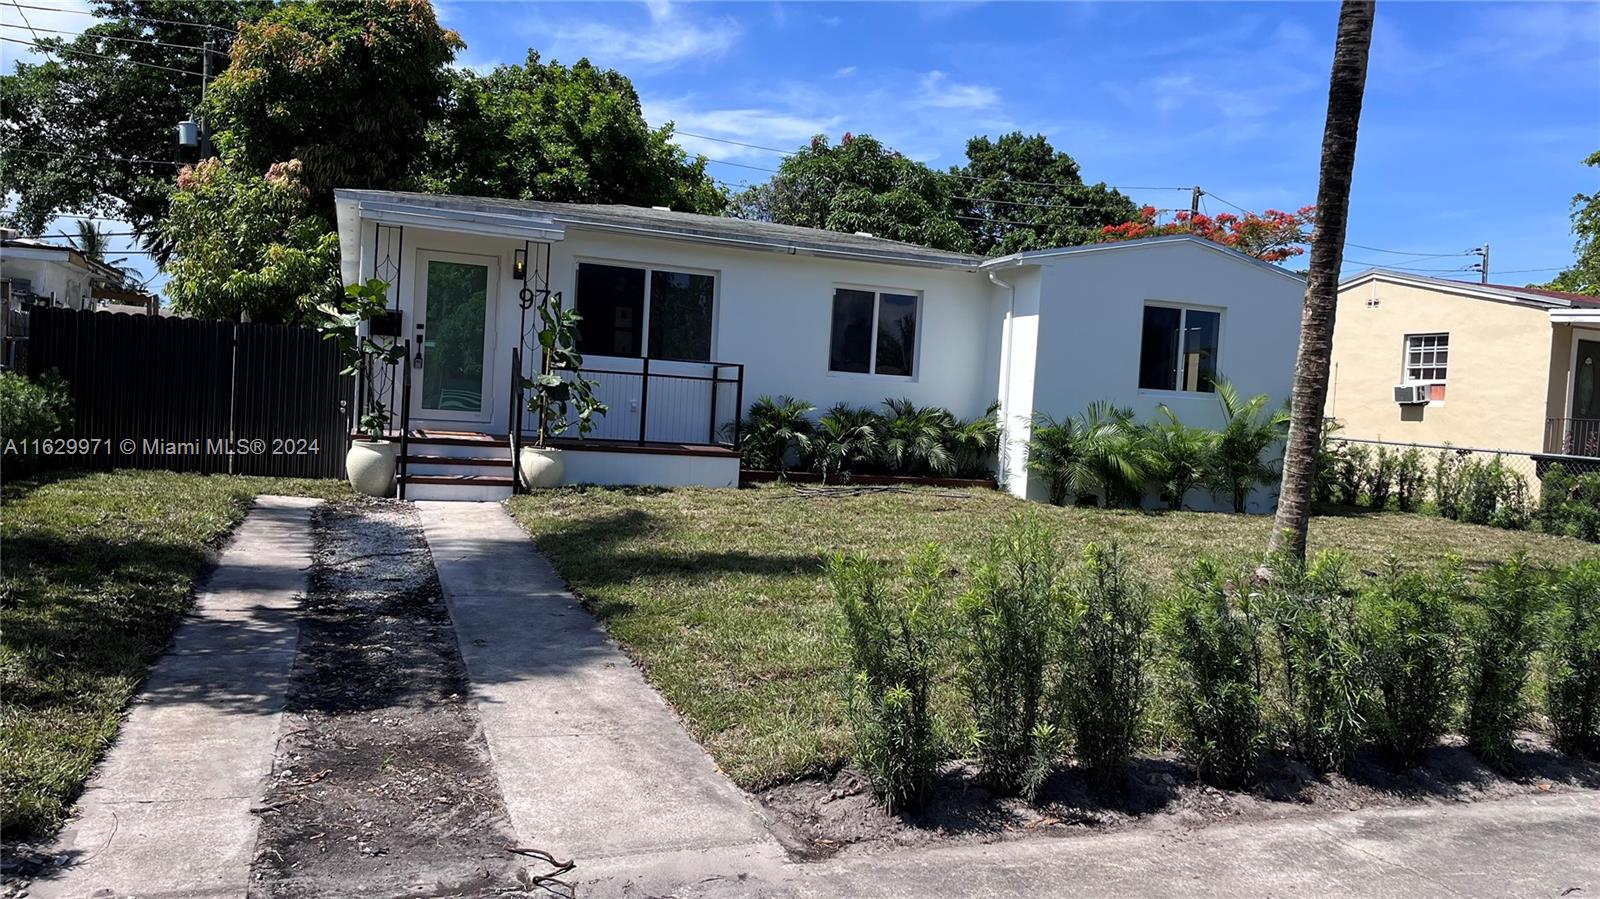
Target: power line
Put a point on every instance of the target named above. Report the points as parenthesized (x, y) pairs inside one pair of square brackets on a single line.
[(86, 12), (1350, 243), (933, 171), (1226, 202), (134, 62), (112, 37), (129, 159)]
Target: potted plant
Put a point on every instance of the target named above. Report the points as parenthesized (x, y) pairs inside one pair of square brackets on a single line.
[(555, 400), (370, 462)]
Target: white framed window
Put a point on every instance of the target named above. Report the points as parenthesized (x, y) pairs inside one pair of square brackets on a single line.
[(639, 310), (1427, 358), (874, 331), (1178, 348)]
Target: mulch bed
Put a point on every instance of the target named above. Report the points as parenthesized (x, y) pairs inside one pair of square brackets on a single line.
[(761, 476), (382, 784), (821, 817)]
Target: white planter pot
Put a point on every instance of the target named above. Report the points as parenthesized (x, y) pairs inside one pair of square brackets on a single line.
[(370, 466), (541, 467)]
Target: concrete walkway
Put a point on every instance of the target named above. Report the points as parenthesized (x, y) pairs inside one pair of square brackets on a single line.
[(592, 763), (1540, 846), (168, 811)]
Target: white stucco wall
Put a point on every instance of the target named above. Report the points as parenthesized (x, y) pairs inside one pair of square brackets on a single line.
[(1091, 317), (772, 312), (1065, 333)]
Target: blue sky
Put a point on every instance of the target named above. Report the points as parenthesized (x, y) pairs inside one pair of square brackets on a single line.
[(1476, 120)]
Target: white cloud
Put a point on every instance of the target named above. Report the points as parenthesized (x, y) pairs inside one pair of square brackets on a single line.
[(762, 127), (938, 91), (666, 40), (845, 72)]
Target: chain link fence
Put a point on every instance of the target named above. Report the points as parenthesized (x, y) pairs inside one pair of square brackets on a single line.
[(1472, 484)]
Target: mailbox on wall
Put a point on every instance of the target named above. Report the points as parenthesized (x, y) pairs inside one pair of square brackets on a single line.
[(385, 324)]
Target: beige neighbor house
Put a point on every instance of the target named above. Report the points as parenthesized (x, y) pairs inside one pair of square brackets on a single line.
[(1434, 361)]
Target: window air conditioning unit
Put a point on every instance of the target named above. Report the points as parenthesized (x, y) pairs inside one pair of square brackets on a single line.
[(1411, 394)]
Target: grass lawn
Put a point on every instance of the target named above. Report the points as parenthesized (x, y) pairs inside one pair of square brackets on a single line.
[(95, 571), (719, 592)]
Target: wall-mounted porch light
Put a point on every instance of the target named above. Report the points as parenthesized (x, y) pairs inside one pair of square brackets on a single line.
[(519, 264)]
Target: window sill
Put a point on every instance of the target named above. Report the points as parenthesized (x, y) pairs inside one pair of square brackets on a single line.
[(1179, 394), (870, 376)]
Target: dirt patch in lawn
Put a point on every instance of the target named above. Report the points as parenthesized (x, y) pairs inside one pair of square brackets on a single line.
[(382, 784), (821, 817)]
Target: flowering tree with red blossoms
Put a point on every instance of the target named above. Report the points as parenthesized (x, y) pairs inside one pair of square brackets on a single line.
[(1272, 236)]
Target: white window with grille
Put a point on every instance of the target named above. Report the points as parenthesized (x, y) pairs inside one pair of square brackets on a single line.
[(1427, 358)]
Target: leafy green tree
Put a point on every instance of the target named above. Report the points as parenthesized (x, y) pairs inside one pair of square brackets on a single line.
[(1584, 274), (858, 185), (1019, 193), (249, 244), (348, 88), (90, 129), (573, 134)]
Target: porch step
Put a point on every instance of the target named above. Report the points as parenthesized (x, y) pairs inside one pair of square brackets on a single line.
[(458, 487), (459, 466)]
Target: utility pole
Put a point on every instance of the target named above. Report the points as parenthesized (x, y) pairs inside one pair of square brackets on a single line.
[(1483, 263), (1194, 204), (205, 81)]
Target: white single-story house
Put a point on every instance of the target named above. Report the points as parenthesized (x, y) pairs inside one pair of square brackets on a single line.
[(688, 318)]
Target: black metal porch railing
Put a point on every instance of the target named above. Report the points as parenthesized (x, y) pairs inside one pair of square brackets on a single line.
[(1572, 436), (668, 401)]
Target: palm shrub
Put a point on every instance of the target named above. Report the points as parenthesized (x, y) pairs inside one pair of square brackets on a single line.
[(1503, 634), (1381, 478), (1100, 450), (1572, 673), (1213, 648), (1414, 647), (1410, 473), (1107, 647), (892, 634), (1249, 429), (844, 440), (1329, 455), (1177, 456), (972, 443), (775, 429), (1323, 674), (913, 439), (1013, 616)]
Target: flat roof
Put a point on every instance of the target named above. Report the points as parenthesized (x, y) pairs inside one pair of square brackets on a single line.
[(647, 221)]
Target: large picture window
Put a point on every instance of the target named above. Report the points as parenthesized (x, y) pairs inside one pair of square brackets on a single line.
[(1178, 349), (633, 312), (873, 332)]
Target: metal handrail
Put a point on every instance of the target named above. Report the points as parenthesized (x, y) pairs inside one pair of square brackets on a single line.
[(405, 419), (514, 418)]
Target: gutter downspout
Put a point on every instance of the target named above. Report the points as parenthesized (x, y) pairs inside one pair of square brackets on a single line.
[(1005, 379)]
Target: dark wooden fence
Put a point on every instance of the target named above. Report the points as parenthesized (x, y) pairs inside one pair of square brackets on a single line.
[(204, 396)]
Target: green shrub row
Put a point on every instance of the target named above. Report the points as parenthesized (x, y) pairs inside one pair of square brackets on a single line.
[(1104, 454), (904, 439), (1461, 487), (1052, 656), (1569, 504)]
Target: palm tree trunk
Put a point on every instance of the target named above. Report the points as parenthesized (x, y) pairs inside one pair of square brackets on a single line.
[(1346, 87)]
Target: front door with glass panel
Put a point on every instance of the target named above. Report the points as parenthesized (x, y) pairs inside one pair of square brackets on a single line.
[(454, 324)]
